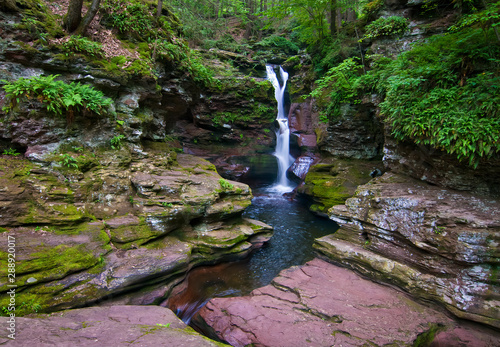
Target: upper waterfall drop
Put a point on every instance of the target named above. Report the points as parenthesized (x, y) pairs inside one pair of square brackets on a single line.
[(282, 152)]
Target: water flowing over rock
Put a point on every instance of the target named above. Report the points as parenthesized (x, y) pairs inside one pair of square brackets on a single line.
[(438, 244), (320, 304), (282, 151)]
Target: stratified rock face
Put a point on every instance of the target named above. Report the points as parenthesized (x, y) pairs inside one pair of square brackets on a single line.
[(130, 220), (358, 134), (436, 167), (105, 326), (320, 304), (438, 244)]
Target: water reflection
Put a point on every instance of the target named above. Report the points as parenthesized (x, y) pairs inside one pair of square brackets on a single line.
[(295, 229)]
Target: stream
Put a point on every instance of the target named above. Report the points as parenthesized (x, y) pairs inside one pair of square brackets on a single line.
[(295, 229)]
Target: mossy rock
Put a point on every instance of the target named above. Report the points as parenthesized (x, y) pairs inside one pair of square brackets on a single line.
[(332, 183), (47, 254)]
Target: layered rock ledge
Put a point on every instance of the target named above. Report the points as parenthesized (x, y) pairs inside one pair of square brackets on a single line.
[(436, 243), (105, 326), (320, 304), (134, 222)]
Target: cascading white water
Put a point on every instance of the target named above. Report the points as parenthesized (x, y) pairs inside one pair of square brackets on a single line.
[(282, 152)]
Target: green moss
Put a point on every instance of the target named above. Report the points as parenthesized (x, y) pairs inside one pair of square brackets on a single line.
[(132, 236), (326, 189), (426, 338), (57, 261)]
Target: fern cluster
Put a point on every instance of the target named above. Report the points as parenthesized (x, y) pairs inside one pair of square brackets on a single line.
[(443, 93), (57, 96)]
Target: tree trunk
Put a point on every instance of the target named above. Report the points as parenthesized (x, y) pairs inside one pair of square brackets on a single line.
[(9, 5), (74, 15), (159, 8), (333, 17), (84, 24)]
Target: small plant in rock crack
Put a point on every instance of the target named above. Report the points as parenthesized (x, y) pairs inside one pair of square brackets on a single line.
[(11, 151), (225, 184), (116, 141), (68, 161)]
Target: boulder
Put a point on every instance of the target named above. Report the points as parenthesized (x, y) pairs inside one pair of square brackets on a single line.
[(331, 181), (357, 133), (136, 221), (437, 167)]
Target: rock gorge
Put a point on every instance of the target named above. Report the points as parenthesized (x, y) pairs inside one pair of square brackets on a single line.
[(123, 227)]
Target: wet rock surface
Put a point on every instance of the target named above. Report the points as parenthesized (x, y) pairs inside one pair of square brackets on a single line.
[(438, 244), (105, 326), (320, 304)]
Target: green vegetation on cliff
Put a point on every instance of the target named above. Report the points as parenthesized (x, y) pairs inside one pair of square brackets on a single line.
[(443, 92)]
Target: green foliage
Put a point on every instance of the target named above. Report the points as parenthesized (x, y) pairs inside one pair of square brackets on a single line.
[(443, 93), (486, 19), (116, 141), (225, 184), (68, 161), (57, 96), (280, 43), (394, 25), (221, 118), (31, 306), (310, 18), (129, 17), (82, 45), (371, 9), (446, 94), (337, 87), (11, 151)]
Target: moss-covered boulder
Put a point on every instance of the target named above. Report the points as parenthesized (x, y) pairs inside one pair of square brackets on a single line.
[(331, 182)]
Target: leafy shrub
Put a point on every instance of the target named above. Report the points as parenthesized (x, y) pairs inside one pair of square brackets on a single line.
[(275, 42), (337, 87), (68, 161), (82, 45), (129, 17), (394, 25), (11, 151), (446, 94), (57, 96), (116, 141), (443, 93)]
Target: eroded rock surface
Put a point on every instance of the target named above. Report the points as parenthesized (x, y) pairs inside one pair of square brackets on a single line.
[(320, 304), (436, 243), (105, 326), (129, 221)]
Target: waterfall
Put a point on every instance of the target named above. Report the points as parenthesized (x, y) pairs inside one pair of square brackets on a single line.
[(282, 152)]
